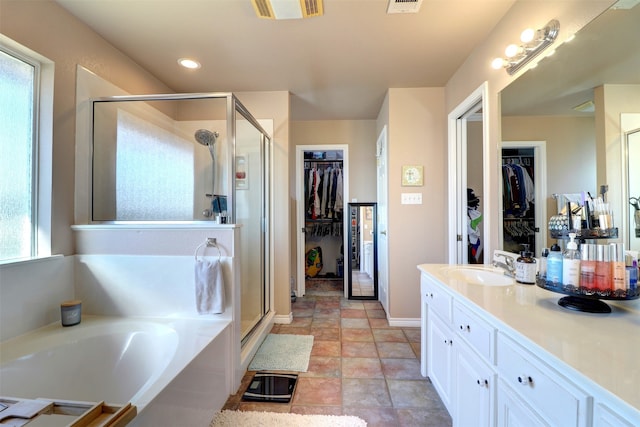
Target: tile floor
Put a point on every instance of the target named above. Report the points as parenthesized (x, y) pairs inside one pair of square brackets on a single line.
[(359, 366), (361, 284)]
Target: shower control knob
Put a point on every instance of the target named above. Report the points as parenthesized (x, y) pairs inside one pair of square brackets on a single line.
[(206, 213)]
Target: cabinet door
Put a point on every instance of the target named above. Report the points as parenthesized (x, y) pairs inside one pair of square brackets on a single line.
[(604, 416), (514, 412), (440, 358), (474, 386)]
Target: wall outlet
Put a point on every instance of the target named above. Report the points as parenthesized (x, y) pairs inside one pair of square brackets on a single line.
[(411, 198)]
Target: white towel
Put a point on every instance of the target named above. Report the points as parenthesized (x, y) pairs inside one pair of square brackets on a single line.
[(209, 287)]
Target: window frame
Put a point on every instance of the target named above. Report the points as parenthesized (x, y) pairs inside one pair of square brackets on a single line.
[(41, 150)]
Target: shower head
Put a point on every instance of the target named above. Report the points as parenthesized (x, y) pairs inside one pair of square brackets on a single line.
[(206, 137)]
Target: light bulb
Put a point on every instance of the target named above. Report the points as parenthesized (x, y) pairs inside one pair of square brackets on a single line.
[(527, 35), (189, 63), (498, 63), (512, 50)]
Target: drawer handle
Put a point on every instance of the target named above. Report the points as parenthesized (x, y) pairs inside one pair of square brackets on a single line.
[(449, 342), (483, 383), (525, 379), (468, 328)]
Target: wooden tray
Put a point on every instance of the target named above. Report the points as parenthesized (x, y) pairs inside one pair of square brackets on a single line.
[(74, 414)]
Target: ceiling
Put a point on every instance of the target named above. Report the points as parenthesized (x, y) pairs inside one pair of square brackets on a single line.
[(336, 66), (607, 50)]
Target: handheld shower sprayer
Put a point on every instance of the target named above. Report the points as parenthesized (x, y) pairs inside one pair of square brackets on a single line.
[(208, 139)]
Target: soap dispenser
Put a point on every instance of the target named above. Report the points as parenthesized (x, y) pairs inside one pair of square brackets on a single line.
[(526, 267), (571, 265), (554, 266)]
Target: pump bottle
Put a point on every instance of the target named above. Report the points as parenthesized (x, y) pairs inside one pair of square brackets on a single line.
[(526, 267), (554, 266), (571, 265)]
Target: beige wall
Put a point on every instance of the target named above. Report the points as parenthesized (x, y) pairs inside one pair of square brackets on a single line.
[(417, 136), (360, 136), (48, 29)]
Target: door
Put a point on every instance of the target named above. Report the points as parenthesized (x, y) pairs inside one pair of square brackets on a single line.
[(468, 236), (381, 235)]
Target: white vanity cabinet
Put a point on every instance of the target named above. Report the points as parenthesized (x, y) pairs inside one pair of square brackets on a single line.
[(477, 352), (537, 386), (458, 348)]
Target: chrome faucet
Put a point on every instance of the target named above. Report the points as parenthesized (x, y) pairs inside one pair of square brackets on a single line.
[(507, 264)]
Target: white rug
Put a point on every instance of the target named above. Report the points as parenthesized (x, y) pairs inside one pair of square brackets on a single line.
[(274, 419), (282, 352)]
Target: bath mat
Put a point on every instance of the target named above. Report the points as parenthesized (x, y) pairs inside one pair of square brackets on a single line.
[(282, 352), (261, 419)]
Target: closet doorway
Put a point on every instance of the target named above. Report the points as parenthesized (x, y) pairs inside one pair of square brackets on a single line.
[(322, 193), (524, 188)]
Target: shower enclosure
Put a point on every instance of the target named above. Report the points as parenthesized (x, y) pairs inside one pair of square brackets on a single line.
[(187, 158)]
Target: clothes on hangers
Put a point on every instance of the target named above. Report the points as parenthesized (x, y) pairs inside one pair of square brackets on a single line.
[(518, 191), (323, 190)]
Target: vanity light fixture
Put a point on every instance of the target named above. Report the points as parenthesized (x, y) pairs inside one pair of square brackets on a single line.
[(533, 43), (192, 64)]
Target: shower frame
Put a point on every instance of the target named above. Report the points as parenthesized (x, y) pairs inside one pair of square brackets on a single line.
[(233, 108)]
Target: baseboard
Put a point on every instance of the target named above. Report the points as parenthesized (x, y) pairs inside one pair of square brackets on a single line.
[(404, 323), (283, 319)]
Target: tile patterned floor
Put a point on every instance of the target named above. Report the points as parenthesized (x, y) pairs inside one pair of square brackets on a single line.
[(359, 366)]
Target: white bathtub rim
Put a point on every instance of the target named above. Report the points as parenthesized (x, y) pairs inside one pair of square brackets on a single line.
[(194, 335)]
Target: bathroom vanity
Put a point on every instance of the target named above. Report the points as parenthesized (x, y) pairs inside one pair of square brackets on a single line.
[(506, 354)]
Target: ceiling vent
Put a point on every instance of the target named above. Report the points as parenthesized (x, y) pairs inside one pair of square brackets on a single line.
[(287, 9), (404, 6)]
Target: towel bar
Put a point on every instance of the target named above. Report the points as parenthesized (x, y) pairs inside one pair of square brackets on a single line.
[(210, 242)]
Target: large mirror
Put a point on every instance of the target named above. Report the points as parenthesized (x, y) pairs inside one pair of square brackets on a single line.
[(574, 103), (362, 253)]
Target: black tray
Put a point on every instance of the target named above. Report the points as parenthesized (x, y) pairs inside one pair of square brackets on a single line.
[(579, 300)]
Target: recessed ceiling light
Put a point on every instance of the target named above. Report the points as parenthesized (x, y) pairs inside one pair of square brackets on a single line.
[(189, 63)]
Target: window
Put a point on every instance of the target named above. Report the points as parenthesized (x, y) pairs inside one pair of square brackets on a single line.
[(17, 160), (25, 199)]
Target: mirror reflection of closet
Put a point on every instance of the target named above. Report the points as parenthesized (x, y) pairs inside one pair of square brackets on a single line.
[(362, 252)]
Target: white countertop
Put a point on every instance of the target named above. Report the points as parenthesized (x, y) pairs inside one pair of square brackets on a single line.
[(605, 348)]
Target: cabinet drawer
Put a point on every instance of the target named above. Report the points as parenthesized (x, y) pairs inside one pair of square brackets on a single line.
[(544, 388), (476, 332), (439, 301)]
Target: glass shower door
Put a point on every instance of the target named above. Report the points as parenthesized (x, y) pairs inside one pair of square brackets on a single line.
[(251, 190)]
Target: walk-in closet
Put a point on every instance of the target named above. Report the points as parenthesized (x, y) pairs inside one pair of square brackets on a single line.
[(324, 215), (518, 199)]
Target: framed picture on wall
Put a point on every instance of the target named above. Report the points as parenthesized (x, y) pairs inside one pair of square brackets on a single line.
[(242, 175), (412, 176)]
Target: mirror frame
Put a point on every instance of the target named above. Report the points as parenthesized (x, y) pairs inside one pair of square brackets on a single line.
[(347, 252)]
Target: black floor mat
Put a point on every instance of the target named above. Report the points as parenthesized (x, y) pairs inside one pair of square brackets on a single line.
[(271, 387)]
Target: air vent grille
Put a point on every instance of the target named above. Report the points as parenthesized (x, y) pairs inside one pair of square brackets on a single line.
[(287, 9), (404, 6), (263, 9)]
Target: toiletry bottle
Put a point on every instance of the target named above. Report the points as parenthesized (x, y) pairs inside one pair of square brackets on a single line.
[(571, 265), (554, 266), (616, 253), (631, 275), (588, 268), (603, 271), (526, 267), (542, 266)]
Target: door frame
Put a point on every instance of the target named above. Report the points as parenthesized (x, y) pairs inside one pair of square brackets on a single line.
[(540, 183), (457, 181), (300, 200)]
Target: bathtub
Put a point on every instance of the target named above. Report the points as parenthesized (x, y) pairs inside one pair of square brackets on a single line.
[(173, 370)]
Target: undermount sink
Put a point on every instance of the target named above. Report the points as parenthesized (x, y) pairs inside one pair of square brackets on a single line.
[(479, 275)]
